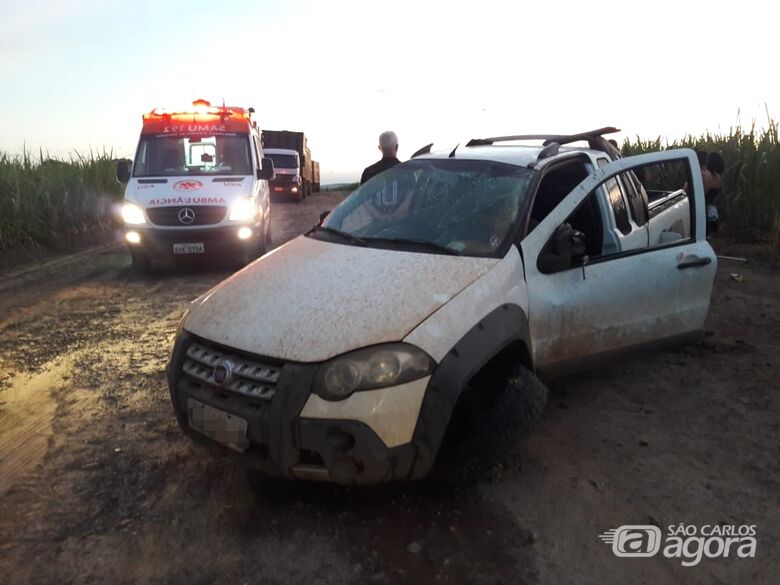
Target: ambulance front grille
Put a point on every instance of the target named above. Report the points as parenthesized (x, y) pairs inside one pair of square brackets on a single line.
[(195, 215)]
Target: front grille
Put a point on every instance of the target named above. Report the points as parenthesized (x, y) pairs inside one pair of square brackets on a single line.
[(200, 214), (248, 377)]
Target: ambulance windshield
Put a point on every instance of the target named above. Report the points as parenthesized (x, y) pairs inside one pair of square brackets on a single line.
[(194, 154)]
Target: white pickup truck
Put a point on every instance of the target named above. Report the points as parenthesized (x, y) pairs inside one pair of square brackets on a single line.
[(414, 324)]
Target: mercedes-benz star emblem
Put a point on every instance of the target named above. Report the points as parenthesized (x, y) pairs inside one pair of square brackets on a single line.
[(223, 372), (186, 215)]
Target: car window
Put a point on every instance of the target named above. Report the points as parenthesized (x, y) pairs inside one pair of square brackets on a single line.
[(671, 202), (617, 202), (637, 201), (670, 214), (467, 206)]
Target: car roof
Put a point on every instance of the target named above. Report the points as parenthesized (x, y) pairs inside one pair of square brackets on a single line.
[(513, 154)]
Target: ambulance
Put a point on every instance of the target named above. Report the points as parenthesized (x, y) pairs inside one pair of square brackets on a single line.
[(198, 185)]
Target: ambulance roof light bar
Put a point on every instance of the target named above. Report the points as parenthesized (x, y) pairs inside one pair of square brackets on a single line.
[(200, 107)]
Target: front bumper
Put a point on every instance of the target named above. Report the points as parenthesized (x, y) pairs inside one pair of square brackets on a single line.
[(280, 441), (286, 189), (157, 242)]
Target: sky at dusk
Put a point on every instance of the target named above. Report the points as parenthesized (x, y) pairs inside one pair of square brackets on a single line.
[(78, 74)]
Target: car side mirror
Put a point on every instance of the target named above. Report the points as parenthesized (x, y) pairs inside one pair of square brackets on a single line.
[(565, 249), (266, 172), (123, 168), (323, 215)]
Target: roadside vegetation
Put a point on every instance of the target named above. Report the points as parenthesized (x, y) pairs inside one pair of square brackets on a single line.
[(46, 201), (749, 204)]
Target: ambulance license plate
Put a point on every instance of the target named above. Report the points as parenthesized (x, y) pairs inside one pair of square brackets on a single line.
[(223, 427), (189, 248)]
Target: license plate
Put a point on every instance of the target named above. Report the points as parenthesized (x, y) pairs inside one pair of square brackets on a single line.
[(189, 248), (278, 188), (223, 427)]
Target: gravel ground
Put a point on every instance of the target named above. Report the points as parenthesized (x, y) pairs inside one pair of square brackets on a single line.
[(97, 484)]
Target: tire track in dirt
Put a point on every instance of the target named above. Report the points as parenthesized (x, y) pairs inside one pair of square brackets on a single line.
[(26, 412)]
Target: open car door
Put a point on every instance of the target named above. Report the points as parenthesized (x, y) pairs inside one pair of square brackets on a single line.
[(584, 303)]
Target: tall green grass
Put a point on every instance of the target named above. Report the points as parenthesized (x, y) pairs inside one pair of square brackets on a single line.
[(50, 202), (749, 204)]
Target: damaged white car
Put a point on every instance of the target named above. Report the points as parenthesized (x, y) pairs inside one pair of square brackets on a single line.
[(414, 325)]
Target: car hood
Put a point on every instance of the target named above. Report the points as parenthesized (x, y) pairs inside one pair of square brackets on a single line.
[(311, 300)]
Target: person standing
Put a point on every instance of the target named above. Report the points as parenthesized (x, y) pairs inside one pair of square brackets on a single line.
[(388, 145), (716, 166)]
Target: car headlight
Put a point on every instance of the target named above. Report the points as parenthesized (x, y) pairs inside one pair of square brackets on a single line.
[(243, 209), (132, 214), (371, 368)]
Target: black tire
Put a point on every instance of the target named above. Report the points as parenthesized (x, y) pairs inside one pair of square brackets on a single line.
[(262, 241), (492, 416), (142, 263), (269, 241)]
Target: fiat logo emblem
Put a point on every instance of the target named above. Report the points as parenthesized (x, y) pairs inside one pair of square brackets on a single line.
[(223, 373), (186, 215)]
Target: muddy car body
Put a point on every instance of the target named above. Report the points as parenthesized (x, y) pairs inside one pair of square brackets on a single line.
[(350, 353)]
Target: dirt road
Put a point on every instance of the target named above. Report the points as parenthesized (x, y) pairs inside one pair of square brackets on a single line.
[(97, 484)]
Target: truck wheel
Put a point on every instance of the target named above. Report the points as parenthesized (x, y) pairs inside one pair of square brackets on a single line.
[(141, 261), (494, 413)]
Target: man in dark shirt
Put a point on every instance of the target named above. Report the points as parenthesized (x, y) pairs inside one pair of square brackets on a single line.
[(388, 144)]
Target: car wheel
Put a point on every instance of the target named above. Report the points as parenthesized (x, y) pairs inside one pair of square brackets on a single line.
[(142, 263), (493, 414)]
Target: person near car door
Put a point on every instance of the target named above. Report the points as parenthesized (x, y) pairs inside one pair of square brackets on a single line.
[(716, 166)]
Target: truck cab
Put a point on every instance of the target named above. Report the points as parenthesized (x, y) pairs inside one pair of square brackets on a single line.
[(198, 185), (292, 157), (288, 180)]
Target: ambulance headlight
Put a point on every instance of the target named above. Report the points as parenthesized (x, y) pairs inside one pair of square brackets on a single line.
[(243, 210), (132, 214)]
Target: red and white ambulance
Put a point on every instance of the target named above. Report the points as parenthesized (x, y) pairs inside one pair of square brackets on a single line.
[(198, 185)]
